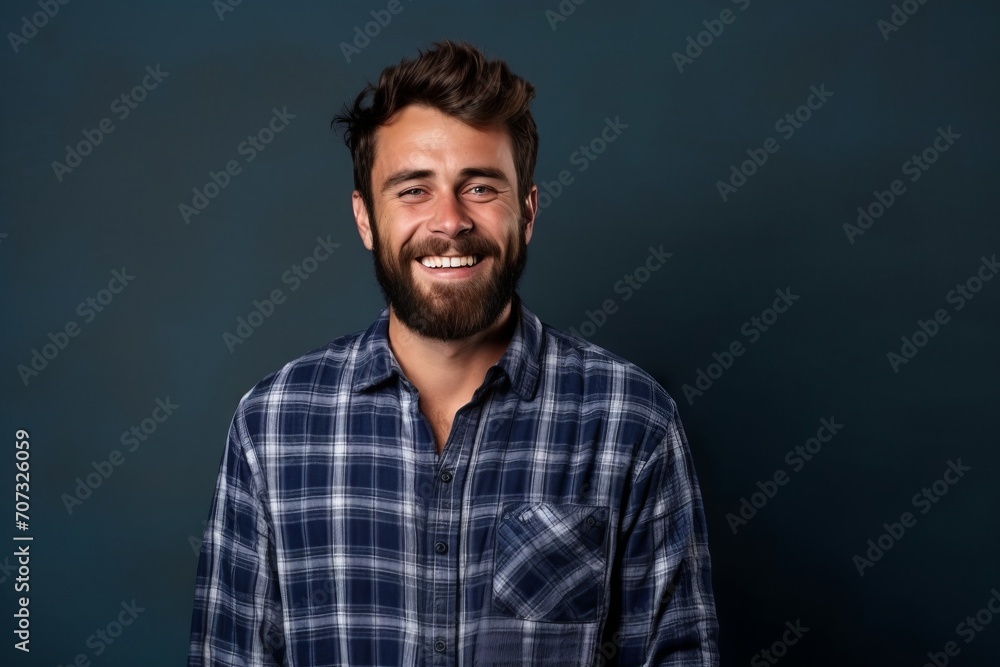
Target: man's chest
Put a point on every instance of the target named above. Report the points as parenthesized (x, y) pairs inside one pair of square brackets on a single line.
[(511, 525), (440, 415), (389, 453)]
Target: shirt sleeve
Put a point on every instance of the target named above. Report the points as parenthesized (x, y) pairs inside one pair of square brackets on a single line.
[(237, 617), (663, 608)]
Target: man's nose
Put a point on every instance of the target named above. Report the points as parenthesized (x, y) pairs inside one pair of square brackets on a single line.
[(451, 216)]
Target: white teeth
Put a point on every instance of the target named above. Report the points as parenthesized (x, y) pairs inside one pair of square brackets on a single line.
[(439, 262)]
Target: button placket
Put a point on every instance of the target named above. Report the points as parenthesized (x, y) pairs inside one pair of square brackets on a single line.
[(444, 521)]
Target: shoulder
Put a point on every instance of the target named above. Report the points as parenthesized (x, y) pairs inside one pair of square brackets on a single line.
[(574, 364), (639, 416), (303, 381)]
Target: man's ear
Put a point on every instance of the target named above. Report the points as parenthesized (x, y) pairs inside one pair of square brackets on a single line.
[(530, 211), (361, 219)]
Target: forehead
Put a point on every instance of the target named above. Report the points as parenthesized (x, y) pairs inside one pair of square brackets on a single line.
[(421, 137)]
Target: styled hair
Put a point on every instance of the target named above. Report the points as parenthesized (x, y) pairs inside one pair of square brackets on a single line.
[(456, 79)]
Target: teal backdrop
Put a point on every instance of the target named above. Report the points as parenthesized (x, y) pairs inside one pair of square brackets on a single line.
[(785, 212)]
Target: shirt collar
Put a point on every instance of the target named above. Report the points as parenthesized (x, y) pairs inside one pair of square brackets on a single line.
[(521, 362)]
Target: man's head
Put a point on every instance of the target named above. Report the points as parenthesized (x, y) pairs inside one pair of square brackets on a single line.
[(444, 152)]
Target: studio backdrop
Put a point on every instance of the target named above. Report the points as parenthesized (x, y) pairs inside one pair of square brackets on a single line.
[(784, 211)]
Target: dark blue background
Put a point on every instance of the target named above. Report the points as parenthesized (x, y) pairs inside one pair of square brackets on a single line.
[(135, 536)]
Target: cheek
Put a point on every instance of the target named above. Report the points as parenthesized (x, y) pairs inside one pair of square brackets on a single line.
[(512, 209), (402, 225)]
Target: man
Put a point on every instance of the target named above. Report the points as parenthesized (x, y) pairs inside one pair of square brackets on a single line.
[(460, 484)]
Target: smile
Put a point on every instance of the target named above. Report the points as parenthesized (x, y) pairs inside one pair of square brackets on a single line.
[(439, 262)]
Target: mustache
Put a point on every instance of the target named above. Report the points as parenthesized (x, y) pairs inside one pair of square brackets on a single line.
[(462, 245)]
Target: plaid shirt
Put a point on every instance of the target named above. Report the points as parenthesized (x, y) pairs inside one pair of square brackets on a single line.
[(561, 525)]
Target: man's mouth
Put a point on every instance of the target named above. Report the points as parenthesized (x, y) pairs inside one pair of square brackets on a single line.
[(442, 262)]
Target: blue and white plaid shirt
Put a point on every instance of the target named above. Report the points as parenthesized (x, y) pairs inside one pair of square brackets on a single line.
[(561, 525)]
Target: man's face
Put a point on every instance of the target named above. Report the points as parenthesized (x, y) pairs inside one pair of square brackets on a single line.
[(447, 232)]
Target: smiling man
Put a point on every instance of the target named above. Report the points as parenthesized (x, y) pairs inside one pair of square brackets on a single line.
[(460, 484)]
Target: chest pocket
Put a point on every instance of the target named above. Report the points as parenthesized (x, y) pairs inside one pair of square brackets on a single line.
[(550, 561)]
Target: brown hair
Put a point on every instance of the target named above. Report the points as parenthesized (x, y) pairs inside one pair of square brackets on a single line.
[(456, 79)]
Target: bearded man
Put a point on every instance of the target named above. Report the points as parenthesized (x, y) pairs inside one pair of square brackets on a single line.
[(460, 484)]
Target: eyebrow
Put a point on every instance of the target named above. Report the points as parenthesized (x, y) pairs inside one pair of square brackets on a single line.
[(469, 172)]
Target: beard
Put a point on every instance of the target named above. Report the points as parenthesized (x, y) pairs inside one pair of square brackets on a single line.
[(451, 310)]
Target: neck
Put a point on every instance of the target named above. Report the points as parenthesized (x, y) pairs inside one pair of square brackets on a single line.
[(450, 367)]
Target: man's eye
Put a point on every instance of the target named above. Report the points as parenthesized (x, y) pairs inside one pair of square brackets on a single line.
[(481, 190), (412, 191)]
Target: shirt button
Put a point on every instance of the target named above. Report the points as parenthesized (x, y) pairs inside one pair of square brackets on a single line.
[(441, 547), (446, 476), (440, 645), (591, 521)]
